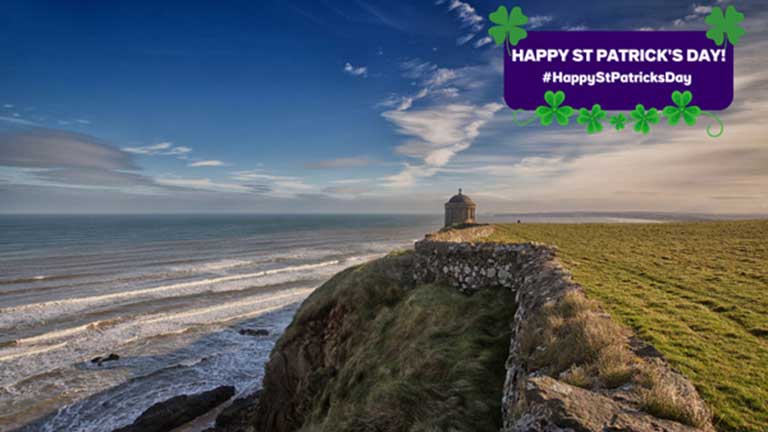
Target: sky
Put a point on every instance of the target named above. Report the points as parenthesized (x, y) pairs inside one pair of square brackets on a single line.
[(355, 106)]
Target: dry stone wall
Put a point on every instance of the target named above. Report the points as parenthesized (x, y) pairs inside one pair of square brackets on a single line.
[(453, 257)]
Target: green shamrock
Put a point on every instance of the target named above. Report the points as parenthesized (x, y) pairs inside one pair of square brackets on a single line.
[(508, 25), (688, 113), (720, 24), (618, 121), (643, 118), (554, 110), (592, 118)]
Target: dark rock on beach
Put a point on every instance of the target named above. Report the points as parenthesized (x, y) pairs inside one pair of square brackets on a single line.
[(100, 360), (254, 332), (240, 416), (176, 411)]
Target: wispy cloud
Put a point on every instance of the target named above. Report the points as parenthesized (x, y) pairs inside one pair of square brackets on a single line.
[(468, 18), (537, 21), (578, 27), (206, 163), (347, 162), (204, 184), (162, 149), (466, 14), (279, 186), (436, 135), (695, 15), (359, 71), (482, 42)]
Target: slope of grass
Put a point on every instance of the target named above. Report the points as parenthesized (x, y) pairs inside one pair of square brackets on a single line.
[(697, 291), (423, 358)]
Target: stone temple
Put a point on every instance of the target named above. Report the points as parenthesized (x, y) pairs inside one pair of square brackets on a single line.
[(460, 209)]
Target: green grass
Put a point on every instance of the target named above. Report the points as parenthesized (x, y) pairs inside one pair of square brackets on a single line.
[(424, 358), (697, 291)]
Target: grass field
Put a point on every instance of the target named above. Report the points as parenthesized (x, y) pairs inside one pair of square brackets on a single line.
[(697, 291)]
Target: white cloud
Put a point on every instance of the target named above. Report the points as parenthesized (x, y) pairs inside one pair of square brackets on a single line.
[(537, 21), (440, 77), (468, 18), (206, 163), (436, 135), (482, 42), (205, 184), (9, 106), (466, 14), (461, 40), (360, 71), (580, 27), (160, 149)]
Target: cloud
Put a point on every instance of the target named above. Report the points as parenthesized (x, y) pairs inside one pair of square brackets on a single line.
[(482, 42), (461, 40), (436, 135), (348, 162), (205, 184), (161, 149), (416, 68), (206, 163), (440, 77), (48, 148), (694, 17), (579, 27), (279, 186), (360, 71), (93, 177), (468, 18), (537, 21), (466, 14), (54, 158)]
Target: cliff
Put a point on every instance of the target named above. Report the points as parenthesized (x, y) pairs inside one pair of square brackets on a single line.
[(467, 336)]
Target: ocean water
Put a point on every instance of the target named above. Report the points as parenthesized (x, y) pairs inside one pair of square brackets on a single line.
[(166, 293)]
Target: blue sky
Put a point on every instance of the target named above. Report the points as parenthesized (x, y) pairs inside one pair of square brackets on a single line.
[(335, 106)]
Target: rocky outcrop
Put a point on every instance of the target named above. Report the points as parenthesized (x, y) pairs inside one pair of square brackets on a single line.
[(239, 416), (179, 410), (555, 406)]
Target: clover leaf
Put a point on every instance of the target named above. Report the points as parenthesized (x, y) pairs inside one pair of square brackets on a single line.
[(688, 113), (728, 24), (508, 25), (554, 110), (643, 118), (618, 121), (592, 118)]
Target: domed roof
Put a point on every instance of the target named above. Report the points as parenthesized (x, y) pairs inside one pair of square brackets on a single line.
[(460, 198)]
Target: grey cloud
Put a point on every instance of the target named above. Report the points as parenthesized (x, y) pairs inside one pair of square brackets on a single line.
[(259, 188), (47, 148), (347, 162), (94, 177)]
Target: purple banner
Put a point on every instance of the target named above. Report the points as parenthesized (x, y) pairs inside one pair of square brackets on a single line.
[(618, 69)]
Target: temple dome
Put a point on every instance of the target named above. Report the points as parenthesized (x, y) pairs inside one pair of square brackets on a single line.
[(460, 198)]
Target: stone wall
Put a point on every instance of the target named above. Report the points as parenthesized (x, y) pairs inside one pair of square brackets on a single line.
[(456, 257)]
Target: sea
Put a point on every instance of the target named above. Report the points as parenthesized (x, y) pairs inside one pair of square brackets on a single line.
[(168, 294)]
